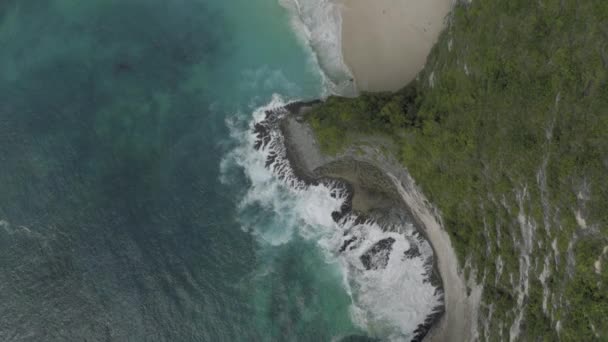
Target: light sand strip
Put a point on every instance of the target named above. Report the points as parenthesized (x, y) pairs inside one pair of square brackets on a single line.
[(460, 318), (385, 43)]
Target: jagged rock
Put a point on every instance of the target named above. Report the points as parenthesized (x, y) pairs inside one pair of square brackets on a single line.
[(377, 256)]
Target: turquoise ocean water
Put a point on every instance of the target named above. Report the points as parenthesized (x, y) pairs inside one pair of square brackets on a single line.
[(130, 206), (115, 225)]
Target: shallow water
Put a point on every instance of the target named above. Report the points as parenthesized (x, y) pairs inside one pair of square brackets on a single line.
[(123, 213)]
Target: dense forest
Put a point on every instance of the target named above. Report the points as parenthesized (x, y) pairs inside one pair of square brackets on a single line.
[(506, 131)]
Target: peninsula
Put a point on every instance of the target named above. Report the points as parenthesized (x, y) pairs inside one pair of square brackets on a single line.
[(497, 142)]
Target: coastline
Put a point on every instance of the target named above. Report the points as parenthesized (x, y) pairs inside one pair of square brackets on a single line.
[(385, 43), (461, 299)]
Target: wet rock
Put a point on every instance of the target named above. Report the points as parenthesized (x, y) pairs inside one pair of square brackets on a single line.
[(423, 329), (377, 256), (413, 252), (347, 242)]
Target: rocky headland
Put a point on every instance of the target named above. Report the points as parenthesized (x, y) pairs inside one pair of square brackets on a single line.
[(382, 190)]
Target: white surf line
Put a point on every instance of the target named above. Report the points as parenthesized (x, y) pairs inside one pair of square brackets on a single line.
[(318, 23)]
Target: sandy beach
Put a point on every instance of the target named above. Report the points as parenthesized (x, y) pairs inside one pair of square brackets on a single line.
[(385, 42)]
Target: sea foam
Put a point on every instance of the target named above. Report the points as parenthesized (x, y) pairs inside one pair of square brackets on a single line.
[(318, 24), (386, 270)]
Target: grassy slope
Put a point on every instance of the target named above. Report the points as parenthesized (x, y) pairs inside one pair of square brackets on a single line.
[(506, 130)]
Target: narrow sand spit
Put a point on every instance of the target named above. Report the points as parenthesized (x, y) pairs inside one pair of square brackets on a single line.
[(459, 321), (385, 42)]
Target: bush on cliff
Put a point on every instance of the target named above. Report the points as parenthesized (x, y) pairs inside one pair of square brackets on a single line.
[(506, 131)]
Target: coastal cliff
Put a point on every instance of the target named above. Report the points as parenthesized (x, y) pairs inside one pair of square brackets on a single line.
[(505, 132)]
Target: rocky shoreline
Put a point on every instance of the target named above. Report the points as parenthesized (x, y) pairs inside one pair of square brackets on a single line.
[(369, 182)]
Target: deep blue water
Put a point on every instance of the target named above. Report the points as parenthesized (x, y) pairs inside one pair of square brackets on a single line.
[(133, 206), (114, 223)]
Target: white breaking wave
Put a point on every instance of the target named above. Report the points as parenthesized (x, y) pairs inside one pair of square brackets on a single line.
[(396, 298), (318, 24), (385, 271)]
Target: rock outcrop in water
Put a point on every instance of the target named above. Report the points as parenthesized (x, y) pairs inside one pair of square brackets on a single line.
[(369, 194)]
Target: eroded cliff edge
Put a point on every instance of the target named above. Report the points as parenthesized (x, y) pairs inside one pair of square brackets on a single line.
[(380, 184)]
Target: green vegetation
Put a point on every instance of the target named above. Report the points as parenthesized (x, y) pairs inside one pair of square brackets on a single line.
[(506, 131)]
